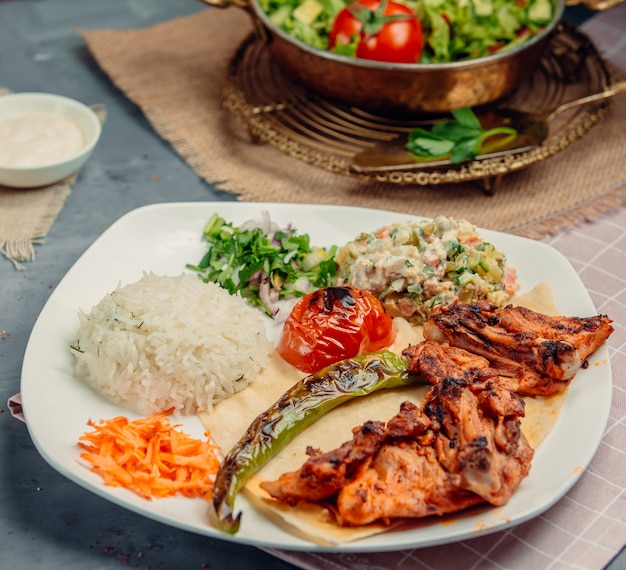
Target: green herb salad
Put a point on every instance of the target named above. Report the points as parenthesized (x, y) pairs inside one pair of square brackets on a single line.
[(263, 262), (454, 30), (413, 267)]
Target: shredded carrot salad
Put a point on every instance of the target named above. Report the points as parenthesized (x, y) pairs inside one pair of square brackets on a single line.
[(150, 457)]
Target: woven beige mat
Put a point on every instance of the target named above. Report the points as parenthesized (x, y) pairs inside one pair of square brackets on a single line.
[(176, 71), (26, 215)]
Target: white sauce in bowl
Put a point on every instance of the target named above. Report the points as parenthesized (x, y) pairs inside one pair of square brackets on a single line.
[(37, 139)]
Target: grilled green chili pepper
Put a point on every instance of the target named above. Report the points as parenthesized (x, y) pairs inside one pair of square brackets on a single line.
[(298, 408)]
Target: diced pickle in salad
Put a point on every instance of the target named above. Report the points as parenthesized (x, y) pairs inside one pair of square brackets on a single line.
[(454, 30), (413, 267)]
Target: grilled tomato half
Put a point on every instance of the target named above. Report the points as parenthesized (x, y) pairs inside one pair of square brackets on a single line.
[(332, 324)]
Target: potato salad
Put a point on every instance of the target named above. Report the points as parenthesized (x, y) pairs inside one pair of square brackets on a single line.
[(415, 266)]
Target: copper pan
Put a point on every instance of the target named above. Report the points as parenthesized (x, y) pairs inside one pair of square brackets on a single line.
[(400, 89)]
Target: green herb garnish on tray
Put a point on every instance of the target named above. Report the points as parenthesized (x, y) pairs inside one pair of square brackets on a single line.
[(462, 138), (262, 262)]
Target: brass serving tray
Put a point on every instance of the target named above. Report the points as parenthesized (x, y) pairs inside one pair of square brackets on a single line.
[(327, 135)]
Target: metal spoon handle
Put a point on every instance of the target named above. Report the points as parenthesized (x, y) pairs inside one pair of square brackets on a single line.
[(598, 5), (610, 91)]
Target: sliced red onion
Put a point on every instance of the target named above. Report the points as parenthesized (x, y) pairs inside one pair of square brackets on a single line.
[(268, 298), (285, 309)]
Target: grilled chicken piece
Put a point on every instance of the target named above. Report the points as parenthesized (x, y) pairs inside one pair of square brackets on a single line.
[(434, 361), (462, 447), (539, 354), (585, 333), (480, 437), (323, 474)]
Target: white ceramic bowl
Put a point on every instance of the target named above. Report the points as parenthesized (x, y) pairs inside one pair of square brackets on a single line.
[(25, 109)]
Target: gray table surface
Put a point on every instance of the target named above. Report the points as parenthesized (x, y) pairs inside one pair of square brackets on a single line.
[(45, 520)]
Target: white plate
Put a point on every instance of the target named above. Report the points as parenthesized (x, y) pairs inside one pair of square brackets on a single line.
[(163, 238)]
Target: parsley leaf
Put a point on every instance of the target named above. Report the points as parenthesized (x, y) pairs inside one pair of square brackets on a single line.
[(460, 139)]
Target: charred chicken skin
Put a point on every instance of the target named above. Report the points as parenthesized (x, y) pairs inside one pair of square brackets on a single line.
[(463, 446), (534, 354)]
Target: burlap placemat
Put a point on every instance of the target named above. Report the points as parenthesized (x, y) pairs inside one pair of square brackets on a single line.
[(26, 215), (176, 71)]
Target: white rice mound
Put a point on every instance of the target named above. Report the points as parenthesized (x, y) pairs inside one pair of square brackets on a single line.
[(166, 342)]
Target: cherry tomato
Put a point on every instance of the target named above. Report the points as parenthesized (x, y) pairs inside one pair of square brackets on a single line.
[(331, 324), (388, 31)]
